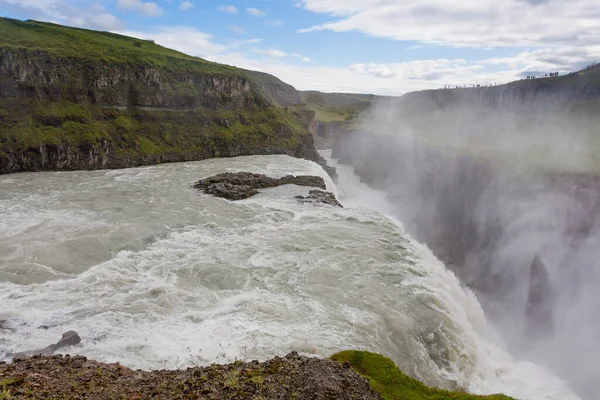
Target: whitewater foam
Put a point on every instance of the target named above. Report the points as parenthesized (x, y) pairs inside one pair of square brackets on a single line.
[(153, 274)]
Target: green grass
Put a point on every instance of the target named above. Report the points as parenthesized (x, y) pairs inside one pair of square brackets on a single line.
[(197, 134), (5, 387), (65, 42), (336, 107), (223, 127), (392, 384), (326, 114)]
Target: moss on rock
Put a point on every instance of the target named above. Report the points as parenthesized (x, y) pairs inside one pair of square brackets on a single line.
[(75, 99), (392, 384)]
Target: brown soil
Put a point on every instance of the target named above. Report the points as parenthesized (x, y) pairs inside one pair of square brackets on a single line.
[(291, 377)]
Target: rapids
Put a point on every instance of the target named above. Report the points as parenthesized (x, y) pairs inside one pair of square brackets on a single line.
[(153, 274)]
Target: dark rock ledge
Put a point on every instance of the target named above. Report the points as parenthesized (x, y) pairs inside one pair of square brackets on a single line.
[(319, 197), (241, 185)]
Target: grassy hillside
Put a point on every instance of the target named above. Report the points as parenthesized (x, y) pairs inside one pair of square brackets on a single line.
[(280, 92), (80, 99), (392, 384), (96, 46), (30, 124), (336, 107)]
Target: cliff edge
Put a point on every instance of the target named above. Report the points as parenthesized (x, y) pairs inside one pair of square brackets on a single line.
[(79, 99), (347, 375), (577, 89)]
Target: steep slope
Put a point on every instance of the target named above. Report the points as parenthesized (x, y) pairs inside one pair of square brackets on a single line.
[(284, 95), (539, 94), (335, 113), (80, 99)]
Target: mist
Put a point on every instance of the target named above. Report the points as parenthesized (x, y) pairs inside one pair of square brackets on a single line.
[(508, 199)]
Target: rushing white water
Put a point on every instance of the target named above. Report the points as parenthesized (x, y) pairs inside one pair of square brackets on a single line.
[(153, 274)]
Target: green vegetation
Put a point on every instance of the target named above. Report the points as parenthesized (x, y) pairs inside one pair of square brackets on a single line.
[(274, 88), (330, 114), (184, 108), (387, 379), (73, 43), (6, 384), (135, 133), (336, 107)]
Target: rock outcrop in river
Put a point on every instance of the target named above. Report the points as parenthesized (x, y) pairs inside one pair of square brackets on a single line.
[(241, 185)]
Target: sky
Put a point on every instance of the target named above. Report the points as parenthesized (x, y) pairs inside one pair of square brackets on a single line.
[(386, 47)]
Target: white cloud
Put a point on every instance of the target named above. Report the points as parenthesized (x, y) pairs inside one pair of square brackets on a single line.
[(300, 56), (148, 9), (62, 12), (314, 78), (274, 22), (236, 29), (281, 54), (186, 5), (399, 78), (459, 23), (548, 60), (272, 53), (379, 78), (255, 12), (554, 52), (237, 43), (103, 21), (228, 9), (185, 39)]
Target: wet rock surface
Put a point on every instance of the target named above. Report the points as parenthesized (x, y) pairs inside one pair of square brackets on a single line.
[(69, 338), (241, 185), (291, 377), (538, 311), (320, 197)]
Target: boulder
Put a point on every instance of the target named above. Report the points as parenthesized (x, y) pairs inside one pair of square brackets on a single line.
[(69, 338), (320, 197), (241, 185)]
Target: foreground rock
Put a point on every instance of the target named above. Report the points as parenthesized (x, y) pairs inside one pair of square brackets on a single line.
[(292, 377), (69, 338), (343, 376), (241, 185)]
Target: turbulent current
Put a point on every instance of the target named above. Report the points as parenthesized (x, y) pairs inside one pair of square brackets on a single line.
[(153, 274)]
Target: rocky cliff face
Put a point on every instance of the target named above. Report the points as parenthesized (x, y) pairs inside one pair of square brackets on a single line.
[(326, 132), (70, 114), (284, 94), (39, 75), (530, 94), (77, 99), (110, 155)]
